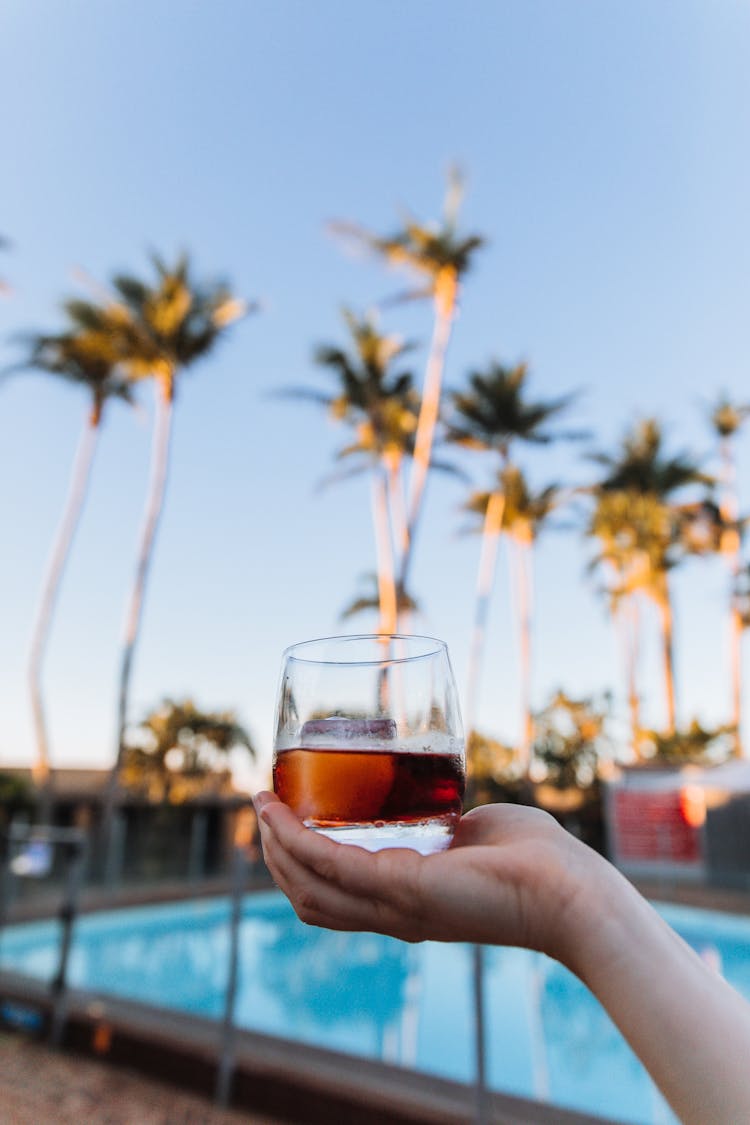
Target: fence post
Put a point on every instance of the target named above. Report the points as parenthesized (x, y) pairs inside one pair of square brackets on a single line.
[(75, 853), (115, 846), (225, 1068), (198, 834), (481, 1111)]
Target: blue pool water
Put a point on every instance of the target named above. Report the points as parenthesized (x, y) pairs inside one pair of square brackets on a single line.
[(370, 995)]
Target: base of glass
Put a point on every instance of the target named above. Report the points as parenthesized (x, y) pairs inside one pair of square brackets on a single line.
[(424, 836)]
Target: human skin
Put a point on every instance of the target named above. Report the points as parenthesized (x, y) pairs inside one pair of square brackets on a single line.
[(514, 877)]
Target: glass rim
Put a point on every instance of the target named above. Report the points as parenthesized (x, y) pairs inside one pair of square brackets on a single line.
[(290, 653)]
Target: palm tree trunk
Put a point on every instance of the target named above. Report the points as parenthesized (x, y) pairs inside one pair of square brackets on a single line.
[(626, 616), (155, 500), (729, 513), (632, 631), (525, 594), (384, 547), (667, 630), (77, 490), (397, 510), (736, 630), (493, 519), (446, 292)]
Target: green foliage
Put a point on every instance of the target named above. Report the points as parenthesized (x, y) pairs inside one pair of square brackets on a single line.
[(165, 326), (15, 790), (705, 529), (372, 393), (155, 330), (370, 600), (643, 532), (641, 465), (727, 417), (494, 412), (524, 511), (431, 250), (488, 758), (86, 354), (16, 795), (639, 541), (492, 773), (694, 744), (179, 751), (570, 740)]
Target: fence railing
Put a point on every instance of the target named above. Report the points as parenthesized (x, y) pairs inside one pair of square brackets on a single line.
[(30, 852)]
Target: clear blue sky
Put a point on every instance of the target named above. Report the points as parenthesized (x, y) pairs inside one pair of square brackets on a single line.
[(607, 152)]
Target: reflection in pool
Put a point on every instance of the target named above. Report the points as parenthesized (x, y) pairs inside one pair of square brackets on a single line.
[(373, 996)]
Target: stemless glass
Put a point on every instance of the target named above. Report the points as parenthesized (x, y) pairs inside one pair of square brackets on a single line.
[(368, 745)]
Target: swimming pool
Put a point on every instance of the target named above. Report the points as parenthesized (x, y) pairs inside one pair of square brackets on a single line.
[(369, 995)]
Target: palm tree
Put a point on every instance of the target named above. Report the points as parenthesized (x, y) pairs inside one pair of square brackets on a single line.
[(170, 755), (491, 416), (695, 744), (726, 419), (524, 514), (642, 465), (647, 479), (571, 739), (160, 330), (376, 397), (633, 529), (85, 357), (440, 258)]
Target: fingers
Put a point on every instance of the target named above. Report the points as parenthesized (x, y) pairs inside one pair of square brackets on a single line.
[(339, 886), (354, 870), (315, 902)]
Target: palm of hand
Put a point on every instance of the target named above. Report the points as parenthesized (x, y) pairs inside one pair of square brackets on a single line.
[(504, 880)]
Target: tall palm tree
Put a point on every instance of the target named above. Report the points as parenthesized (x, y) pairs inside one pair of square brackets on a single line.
[(491, 416), (727, 418), (85, 357), (649, 480), (633, 529), (524, 514), (161, 329), (440, 258), (376, 397)]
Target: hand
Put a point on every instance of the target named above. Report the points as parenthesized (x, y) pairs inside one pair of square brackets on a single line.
[(514, 877), (509, 878)]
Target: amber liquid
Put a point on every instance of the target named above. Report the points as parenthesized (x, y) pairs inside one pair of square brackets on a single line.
[(327, 787)]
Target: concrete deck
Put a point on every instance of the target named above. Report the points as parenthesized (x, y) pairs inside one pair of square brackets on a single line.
[(44, 1087)]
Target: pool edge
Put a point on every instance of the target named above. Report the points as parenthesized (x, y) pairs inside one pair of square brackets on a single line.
[(285, 1079)]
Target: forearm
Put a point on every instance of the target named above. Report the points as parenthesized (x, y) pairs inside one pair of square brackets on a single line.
[(687, 1025), (513, 877)]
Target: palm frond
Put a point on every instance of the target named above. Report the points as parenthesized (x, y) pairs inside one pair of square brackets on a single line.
[(727, 417), (370, 600), (309, 394), (427, 249), (341, 474)]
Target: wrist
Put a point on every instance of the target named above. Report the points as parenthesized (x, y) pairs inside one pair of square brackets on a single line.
[(594, 907)]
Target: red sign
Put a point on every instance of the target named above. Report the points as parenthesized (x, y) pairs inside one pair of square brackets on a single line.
[(653, 826)]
